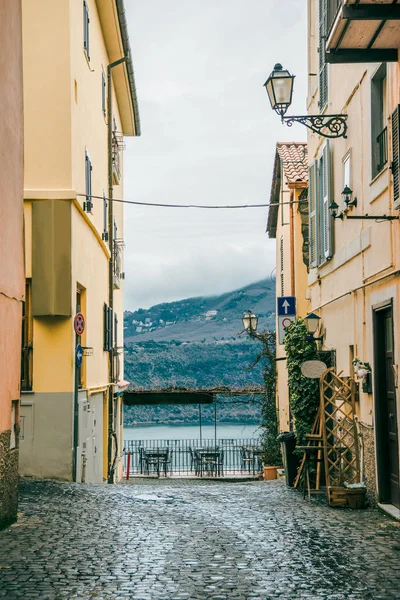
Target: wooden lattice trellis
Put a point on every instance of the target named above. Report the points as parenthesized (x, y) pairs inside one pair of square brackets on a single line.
[(341, 454)]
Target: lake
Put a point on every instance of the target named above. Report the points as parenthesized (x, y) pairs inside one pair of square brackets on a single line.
[(190, 432)]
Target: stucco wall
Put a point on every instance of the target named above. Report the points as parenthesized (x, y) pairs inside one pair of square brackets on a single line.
[(8, 480), (12, 281), (46, 435)]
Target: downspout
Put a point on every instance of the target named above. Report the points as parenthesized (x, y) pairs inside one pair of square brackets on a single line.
[(123, 25), (111, 244), (291, 226)]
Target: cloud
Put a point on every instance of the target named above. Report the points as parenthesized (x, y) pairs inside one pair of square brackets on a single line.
[(208, 137)]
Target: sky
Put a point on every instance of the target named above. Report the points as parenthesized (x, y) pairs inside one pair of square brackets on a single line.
[(208, 137)]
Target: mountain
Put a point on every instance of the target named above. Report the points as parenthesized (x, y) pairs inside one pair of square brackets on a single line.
[(195, 343), (203, 319)]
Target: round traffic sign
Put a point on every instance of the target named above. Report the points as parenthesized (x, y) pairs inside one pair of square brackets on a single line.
[(78, 355), (79, 324)]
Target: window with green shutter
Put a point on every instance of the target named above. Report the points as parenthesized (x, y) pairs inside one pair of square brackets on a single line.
[(320, 219), (312, 212), (396, 156), (327, 229)]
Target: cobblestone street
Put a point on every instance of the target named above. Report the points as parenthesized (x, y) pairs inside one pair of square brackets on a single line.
[(175, 539)]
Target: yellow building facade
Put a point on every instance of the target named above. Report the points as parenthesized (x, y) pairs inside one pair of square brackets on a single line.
[(288, 224), (71, 415), (353, 280)]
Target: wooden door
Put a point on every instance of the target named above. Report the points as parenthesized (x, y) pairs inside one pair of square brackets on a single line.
[(386, 413)]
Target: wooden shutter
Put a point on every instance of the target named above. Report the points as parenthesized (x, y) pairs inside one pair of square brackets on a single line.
[(105, 328), (115, 331), (323, 67), (312, 215), (396, 156), (326, 217), (86, 22)]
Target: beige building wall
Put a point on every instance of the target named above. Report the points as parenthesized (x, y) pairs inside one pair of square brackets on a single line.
[(363, 270), (76, 260), (286, 225), (12, 281)]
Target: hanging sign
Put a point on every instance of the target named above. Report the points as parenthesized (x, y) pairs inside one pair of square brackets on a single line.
[(79, 324), (313, 369)]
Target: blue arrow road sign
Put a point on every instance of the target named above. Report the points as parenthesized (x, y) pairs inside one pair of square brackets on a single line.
[(286, 305), (78, 355)]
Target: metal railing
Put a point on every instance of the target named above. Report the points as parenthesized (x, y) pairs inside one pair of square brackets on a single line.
[(333, 8), (185, 458), (381, 140)]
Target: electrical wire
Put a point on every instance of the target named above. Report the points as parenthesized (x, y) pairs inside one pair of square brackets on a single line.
[(192, 205)]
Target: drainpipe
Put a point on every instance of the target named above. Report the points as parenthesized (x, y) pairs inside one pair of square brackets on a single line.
[(111, 244)]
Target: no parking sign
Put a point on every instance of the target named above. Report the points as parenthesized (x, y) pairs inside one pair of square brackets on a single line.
[(79, 324)]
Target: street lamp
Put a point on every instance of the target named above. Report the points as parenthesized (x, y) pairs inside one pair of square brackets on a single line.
[(312, 323), (279, 87), (348, 202), (250, 321)]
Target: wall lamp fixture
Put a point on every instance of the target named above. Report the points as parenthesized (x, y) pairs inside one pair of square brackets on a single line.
[(350, 203), (250, 321), (312, 323), (279, 86)]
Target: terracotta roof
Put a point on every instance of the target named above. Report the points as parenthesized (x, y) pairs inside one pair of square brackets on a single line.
[(291, 162), (294, 160)]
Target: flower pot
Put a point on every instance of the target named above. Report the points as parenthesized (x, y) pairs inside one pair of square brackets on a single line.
[(270, 473), (356, 497)]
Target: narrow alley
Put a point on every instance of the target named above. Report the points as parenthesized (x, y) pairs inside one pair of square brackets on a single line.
[(175, 539)]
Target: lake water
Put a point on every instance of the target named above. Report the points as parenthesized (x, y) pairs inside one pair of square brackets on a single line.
[(190, 432)]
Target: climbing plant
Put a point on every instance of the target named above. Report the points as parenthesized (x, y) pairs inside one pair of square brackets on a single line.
[(303, 392), (271, 451)]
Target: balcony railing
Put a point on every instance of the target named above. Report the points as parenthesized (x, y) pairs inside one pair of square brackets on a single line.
[(333, 9), (381, 140), (191, 458)]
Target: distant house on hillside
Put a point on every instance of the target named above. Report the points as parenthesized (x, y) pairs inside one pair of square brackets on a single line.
[(210, 314)]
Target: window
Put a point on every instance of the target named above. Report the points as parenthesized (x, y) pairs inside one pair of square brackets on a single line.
[(88, 205), (86, 22), (104, 235), (396, 155), (107, 328), (27, 331), (323, 67), (103, 93), (320, 219), (379, 154), (347, 170)]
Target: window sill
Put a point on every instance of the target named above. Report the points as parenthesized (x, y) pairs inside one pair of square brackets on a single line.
[(376, 177)]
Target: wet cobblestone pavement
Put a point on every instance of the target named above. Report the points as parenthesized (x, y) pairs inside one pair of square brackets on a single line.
[(171, 539)]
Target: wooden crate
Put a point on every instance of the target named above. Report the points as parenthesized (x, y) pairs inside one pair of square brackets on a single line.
[(337, 496)]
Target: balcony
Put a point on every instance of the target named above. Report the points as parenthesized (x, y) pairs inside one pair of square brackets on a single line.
[(361, 32)]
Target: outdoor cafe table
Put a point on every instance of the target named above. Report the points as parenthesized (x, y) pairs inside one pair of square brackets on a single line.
[(156, 458), (208, 459)]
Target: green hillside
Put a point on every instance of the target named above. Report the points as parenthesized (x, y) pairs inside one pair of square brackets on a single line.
[(184, 344)]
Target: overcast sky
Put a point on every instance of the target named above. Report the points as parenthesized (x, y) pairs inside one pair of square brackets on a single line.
[(208, 137)]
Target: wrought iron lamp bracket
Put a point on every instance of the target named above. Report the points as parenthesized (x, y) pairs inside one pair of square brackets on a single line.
[(329, 126)]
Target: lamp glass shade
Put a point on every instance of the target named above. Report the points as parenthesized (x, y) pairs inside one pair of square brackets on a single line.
[(333, 207), (279, 86), (312, 321), (347, 194), (250, 321)]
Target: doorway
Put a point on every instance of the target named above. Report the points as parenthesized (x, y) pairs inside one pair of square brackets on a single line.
[(387, 443)]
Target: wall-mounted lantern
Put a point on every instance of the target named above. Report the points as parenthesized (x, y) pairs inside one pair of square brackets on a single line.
[(279, 86), (312, 323)]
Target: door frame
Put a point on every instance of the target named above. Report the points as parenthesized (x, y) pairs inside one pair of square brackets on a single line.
[(380, 419)]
